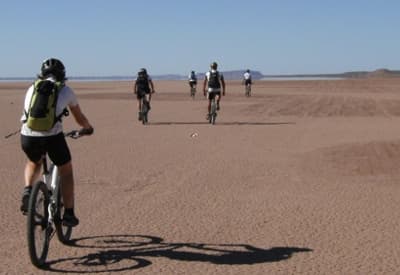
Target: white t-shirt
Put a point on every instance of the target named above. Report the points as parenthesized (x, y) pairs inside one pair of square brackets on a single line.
[(247, 76), (66, 98)]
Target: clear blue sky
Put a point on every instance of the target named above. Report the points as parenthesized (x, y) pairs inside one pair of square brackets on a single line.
[(117, 37)]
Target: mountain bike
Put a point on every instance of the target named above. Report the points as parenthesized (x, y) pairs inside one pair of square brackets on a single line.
[(45, 211), (192, 90), (248, 90), (213, 112), (144, 110)]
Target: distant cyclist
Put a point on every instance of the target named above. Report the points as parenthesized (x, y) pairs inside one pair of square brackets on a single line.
[(213, 84), (143, 87), (247, 78), (39, 138), (247, 81), (192, 82)]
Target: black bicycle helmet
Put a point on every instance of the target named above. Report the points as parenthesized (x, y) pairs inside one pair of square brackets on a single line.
[(214, 65), (54, 67), (142, 71)]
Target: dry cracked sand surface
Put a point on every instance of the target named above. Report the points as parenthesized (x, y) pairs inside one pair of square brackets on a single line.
[(301, 178)]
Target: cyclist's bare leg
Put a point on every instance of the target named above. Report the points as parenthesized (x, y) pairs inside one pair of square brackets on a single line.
[(217, 99), (67, 184), (148, 98), (32, 172)]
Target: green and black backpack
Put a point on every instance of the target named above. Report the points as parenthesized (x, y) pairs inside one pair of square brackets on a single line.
[(41, 115)]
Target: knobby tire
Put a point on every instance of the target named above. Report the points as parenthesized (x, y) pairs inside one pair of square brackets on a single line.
[(192, 92), (63, 232), (144, 112), (248, 91), (37, 224), (213, 114)]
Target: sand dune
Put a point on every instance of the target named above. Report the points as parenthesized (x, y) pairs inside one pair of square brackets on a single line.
[(301, 178)]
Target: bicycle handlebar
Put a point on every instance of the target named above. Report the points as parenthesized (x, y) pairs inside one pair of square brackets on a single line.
[(79, 133)]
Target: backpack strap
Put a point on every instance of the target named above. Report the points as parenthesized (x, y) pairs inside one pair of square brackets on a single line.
[(65, 112)]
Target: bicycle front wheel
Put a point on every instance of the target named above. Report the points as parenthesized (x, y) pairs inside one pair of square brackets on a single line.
[(38, 227), (64, 232)]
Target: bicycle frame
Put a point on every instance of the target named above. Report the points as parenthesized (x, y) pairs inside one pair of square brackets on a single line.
[(51, 179)]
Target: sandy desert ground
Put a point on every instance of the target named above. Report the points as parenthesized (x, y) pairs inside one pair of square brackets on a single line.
[(301, 178)]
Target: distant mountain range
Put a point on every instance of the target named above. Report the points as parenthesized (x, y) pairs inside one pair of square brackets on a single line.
[(355, 74), (233, 75)]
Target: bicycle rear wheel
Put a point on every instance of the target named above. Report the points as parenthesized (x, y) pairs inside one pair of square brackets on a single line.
[(63, 232), (248, 90), (145, 112), (213, 114), (213, 117), (38, 227)]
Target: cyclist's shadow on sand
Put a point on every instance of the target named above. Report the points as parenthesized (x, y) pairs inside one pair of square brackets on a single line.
[(128, 252), (226, 123)]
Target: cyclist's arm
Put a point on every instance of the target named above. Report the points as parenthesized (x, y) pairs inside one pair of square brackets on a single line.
[(152, 86), (205, 85), (135, 88), (223, 85), (80, 118)]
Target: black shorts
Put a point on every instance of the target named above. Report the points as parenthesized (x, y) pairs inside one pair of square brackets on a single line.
[(141, 94), (192, 84), (211, 95), (55, 146), (247, 82)]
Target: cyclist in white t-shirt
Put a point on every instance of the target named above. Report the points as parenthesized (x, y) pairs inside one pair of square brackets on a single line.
[(35, 143), (247, 78)]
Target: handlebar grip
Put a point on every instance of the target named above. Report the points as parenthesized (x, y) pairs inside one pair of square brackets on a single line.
[(86, 131)]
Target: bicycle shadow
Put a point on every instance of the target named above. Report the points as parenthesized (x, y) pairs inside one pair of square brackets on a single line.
[(219, 123), (115, 253)]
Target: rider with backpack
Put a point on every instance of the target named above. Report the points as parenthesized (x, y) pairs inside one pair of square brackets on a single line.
[(213, 82), (46, 102), (192, 79), (143, 87)]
